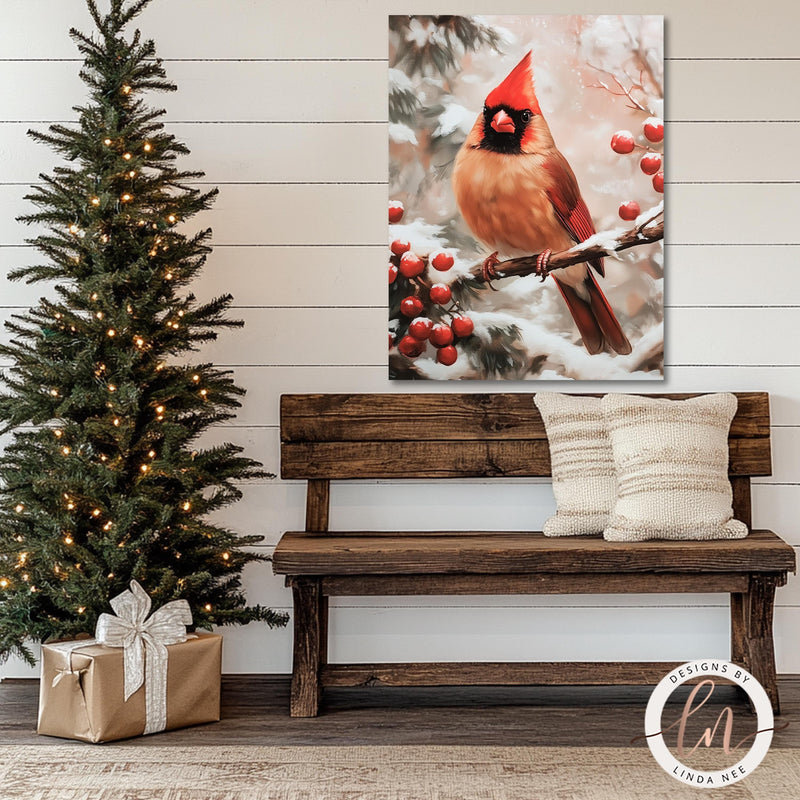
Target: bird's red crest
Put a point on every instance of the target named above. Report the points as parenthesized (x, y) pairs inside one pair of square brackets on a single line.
[(517, 90)]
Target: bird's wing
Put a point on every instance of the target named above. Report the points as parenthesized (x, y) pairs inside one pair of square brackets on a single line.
[(565, 195)]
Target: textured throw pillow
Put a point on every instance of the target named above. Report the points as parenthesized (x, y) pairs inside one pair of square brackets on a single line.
[(582, 463), (671, 459)]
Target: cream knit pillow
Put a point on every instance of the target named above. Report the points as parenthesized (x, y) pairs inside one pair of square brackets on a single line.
[(582, 463), (671, 458)]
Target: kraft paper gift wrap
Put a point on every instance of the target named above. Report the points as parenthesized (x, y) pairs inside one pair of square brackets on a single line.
[(82, 689)]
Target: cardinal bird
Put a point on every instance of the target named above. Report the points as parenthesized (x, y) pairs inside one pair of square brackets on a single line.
[(519, 196)]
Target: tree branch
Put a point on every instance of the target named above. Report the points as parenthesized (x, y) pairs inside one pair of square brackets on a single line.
[(601, 244)]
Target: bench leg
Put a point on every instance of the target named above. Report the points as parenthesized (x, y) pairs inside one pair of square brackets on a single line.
[(739, 629), (760, 650), (309, 648)]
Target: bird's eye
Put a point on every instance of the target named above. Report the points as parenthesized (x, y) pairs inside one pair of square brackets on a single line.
[(526, 115), (485, 109)]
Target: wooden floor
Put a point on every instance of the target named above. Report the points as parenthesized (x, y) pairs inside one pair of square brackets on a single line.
[(256, 711)]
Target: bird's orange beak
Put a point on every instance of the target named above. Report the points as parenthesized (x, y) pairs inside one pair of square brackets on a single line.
[(502, 123)]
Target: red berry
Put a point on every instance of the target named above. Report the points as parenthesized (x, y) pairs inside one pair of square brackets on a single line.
[(441, 261), (411, 265), (441, 335), (411, 306), (440, 293), (400, 246), (650, 163), (654, 129), (447, 355), (658, 182), (463, 326), (622, 142), (420, 328), (629, 210), (392, 273), (410, 347), (395, 211)]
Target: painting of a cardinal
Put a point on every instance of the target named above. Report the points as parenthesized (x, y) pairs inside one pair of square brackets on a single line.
[(526, 180)]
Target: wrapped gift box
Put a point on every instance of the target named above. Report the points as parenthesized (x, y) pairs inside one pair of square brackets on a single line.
[(82, 689)]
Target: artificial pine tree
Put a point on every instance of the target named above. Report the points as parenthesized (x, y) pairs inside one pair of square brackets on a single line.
[(105, 482)]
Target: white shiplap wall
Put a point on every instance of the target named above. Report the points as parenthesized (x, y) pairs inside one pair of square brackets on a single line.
[(284, 108)]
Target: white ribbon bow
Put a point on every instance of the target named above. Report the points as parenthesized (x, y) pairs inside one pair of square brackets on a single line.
[(144, 642)]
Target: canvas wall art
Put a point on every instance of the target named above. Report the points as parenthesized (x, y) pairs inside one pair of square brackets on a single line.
[(526, 181)]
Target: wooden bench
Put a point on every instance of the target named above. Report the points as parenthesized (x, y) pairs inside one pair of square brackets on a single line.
[(388, 436)]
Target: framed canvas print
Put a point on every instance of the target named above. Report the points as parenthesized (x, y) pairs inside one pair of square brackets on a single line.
[(526, 181)]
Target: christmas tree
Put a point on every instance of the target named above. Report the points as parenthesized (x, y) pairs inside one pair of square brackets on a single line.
[(104, 480)]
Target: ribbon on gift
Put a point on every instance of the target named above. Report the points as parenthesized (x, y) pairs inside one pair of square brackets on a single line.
[(144, 641)]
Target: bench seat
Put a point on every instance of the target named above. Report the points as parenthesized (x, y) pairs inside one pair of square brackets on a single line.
[(493, 552)]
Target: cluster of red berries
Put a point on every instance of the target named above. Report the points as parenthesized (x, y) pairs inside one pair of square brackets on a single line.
[(422, 329), (651, 163)]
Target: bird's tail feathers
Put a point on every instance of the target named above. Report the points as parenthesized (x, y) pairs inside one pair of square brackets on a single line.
[(608, 323), (594, 318), (584, 318)]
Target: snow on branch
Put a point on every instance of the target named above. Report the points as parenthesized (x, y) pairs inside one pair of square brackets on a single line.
[(649, 228)]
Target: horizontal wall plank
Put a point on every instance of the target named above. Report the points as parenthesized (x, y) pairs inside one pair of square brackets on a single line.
[(247, 29), (277, 91), (288, 336), (226, 90), (710, 276), (229, 153), (255, 276), (349, 215), (696, 152), (278, 506), (263, 444), (420, 634), (355, 276), (269, 215), (265, 385), (744, 336), (695, 337)]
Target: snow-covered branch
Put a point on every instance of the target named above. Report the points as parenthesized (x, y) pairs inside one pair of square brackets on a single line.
[(649, 228)]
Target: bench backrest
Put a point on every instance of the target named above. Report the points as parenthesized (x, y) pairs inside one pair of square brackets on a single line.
[(346, 436)]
